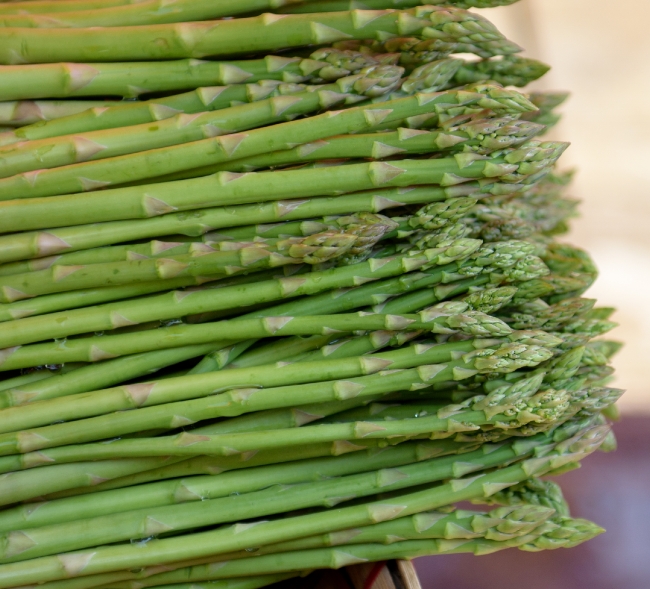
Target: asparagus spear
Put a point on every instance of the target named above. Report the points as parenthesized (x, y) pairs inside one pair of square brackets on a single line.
[(333, 64), (112, 558), (226, 188), (236, 481), (99, 348), (181, 128), (130, 79), (395, 470), (41, 6), (31, 483), (503, 264), (204, 261), (479, 136), (564, 532), (149, 164), (156, 412), (502, 525), (239, 36)]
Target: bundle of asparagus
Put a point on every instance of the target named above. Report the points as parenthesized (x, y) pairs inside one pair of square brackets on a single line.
[(282, 311)]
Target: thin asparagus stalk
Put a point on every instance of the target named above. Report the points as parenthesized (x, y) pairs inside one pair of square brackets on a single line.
[(39, 244), (146, 12), (502, 525), (29, 112), (130, 79), (395, 470), (88, 297), (181, 128), (178, 304), (363, 225), (479, 136), (547, 406), (567, 535), (99, 348), (205, 261), (149, 164), (329, 302), (41, 6), (88, 476), (113, 558), (237, 481), (238, 36), (185, 393), (226, 188)]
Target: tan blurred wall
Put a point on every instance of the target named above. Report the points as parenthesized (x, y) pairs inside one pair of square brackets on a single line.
[(600, 51)]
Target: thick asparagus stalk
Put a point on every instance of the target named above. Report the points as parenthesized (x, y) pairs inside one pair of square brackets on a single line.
[(239, 36), (155, 411), (181, 128), (149, 164), (226, 188), (363, 225), (112, 558), (99, 348), (88, 476), (44, 6), (204, 261), (237, 481), (396, 470), (178, 304), (479, 136), (134, 78)]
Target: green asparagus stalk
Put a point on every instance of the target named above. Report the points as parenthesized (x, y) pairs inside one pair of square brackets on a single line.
[(226, 188), (331, 302), (204, 261), (479, 136), (566, 534), (242, 481), (131, 79), (187, 406), (88, 297), (182, 128), (44, 6), (366, 226), (178, 304), (502, 525), (88, 476), (30, 112), (395, 470), (239, 36), (113, 558), (546, 103), (149, 164), (334, 64), (107, 346)]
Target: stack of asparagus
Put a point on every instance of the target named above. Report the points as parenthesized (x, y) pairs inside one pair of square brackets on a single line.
[(281, 309)]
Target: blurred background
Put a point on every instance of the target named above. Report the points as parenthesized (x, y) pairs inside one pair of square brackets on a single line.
[(599, 51)]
